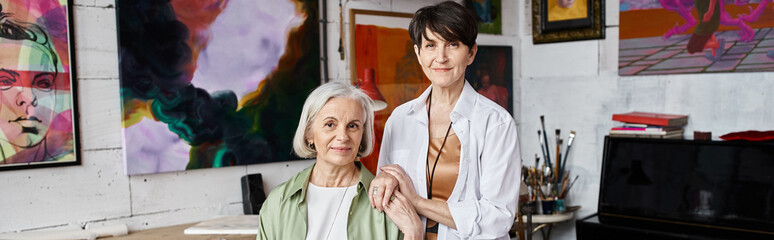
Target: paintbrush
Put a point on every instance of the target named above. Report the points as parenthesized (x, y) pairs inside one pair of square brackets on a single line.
[(537, 160), (570, 186), (567, 150), (559, 170), (547, 157), (544, 149), (564, 185), (558, 153), (534, 182), (540, 184)]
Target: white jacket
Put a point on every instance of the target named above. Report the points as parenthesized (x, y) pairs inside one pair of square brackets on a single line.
[(483, 202)]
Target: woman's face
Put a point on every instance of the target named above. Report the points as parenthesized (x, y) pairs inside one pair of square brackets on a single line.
[(565, 3), (336, 131), (444, 62), (485, 80), (27, 100)]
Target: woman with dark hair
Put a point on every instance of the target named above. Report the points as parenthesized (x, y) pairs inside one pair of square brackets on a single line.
[(452, 152), (29, 73)]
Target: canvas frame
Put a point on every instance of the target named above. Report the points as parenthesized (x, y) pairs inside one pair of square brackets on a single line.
[(591, 27), (396, 90), (489, 64), (496, 26), (73, 101), (273, 114), (738, 43), (353, 14)]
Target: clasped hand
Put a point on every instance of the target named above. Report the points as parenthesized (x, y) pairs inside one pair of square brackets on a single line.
[(387, 182), (393, 192)]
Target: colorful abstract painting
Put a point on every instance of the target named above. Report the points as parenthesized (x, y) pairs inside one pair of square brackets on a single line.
[(380, 41), (489, 15), (695, 36), (214, 83), (491, 74), (37, 85)]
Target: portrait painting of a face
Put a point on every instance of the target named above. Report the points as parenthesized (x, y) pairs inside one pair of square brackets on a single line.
[(36, 106), (491, 74), (560, 10)]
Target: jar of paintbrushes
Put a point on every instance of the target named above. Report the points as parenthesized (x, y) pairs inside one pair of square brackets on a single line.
[(548, 180)]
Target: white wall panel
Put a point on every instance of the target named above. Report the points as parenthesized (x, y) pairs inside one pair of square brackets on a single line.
[(49, 197), (188, 189), (571, 59), (275, 173), (96, 42), (99, 113)]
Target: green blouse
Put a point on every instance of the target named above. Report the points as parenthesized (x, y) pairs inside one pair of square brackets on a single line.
[(283, 214)]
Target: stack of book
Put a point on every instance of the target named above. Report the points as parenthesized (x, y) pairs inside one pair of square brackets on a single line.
[(649, 125)]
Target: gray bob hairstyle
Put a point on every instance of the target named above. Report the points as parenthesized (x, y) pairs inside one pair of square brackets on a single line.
[(316, 100)]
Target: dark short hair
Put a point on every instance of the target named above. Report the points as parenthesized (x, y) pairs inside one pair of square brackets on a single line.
[(450, 20)]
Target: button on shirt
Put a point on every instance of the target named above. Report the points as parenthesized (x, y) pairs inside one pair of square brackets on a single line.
[(483, 201)]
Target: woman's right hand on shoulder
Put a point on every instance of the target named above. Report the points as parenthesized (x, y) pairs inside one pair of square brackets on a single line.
[(382, 188)]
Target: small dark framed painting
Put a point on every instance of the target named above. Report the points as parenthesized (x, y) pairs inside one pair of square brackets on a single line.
[(567, 20), (491, 74), (38, 117)]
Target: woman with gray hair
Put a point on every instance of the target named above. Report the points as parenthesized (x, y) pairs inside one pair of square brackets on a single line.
[(329, 199)]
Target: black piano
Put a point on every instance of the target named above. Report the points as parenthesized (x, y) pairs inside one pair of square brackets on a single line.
[(683, 189)]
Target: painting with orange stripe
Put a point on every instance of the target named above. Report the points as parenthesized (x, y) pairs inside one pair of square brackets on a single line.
[(695, 36), (214, 83), (37, 93), (382, 47)]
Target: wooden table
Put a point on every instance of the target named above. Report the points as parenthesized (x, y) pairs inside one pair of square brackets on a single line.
[(176, 232)]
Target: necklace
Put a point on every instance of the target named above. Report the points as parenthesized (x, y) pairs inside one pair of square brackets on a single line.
[(431, 175), (339, 208)]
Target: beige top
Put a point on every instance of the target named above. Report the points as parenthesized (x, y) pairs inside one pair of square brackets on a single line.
[(446, 171)]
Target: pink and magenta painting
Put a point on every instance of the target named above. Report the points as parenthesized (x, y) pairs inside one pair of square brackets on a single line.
[(37, 124), (214, 83), (695, 36)]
